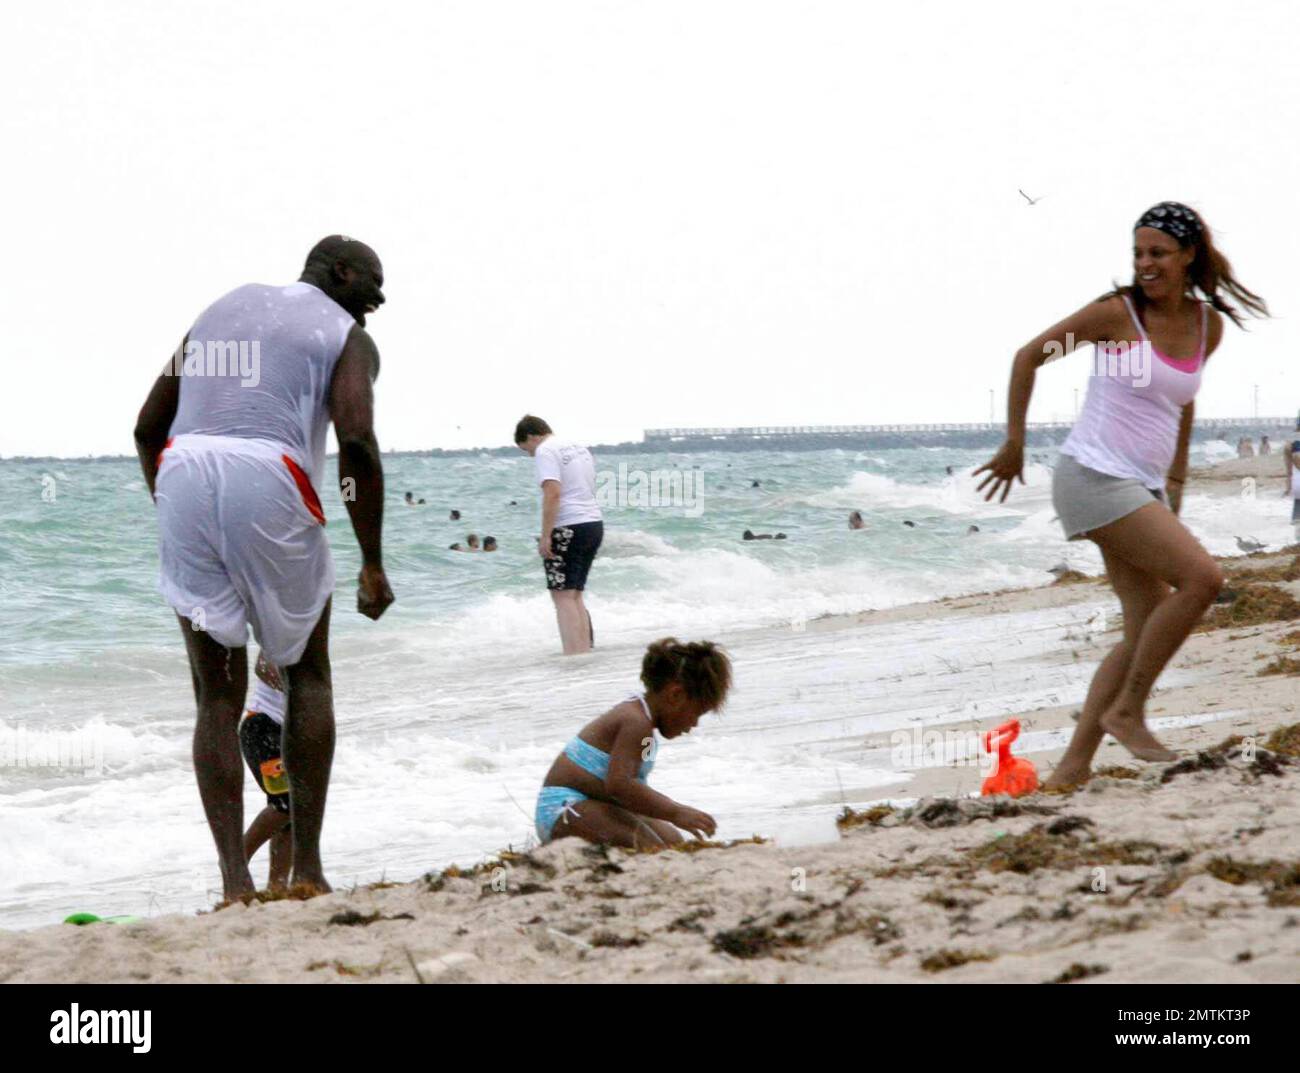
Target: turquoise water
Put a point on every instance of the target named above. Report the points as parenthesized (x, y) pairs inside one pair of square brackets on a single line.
[(451, 707)]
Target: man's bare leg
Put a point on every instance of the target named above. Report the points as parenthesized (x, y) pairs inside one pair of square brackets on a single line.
[(307, 746), (591, 630), (571, 616), (220, 677)]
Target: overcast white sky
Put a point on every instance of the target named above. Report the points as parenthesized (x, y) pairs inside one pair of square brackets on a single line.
[(623, 215)]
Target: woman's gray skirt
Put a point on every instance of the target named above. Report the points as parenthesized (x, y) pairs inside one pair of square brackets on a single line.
[(1086, 500)]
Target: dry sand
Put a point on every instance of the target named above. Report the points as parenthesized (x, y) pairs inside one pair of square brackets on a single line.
[(1176, 873)]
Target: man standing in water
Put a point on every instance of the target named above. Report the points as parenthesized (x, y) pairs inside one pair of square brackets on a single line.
[(232, 443), (572, 527)]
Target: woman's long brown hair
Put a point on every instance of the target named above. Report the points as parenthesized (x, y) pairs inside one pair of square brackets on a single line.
[(1211, 274)]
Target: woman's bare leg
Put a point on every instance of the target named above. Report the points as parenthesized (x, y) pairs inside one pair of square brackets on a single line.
[(1153, 541), (1139, 594)]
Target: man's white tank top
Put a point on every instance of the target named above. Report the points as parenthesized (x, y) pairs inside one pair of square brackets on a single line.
[(1129, 423), (258, 365)]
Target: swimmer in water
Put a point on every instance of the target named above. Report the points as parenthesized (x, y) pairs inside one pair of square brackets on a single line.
[(855, 520)]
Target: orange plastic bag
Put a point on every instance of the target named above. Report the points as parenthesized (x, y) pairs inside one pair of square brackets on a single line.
[(1012, 775)]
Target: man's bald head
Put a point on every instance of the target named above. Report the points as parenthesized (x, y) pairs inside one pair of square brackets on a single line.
[(348, 271)]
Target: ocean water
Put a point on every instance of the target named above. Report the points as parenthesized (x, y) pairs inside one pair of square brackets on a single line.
[(452, 706)]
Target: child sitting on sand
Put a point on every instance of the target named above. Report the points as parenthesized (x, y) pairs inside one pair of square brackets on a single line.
[(259, 740), (597, 790)]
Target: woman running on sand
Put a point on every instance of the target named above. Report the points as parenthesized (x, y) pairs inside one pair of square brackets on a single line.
[(1130, 439)]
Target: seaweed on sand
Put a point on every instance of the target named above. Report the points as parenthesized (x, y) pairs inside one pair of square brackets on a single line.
[(850, 818), (1078, 971), (942, 960), (1285, 740), (1252, 605), (1281, 665), (1039, 848), (1280, 879)]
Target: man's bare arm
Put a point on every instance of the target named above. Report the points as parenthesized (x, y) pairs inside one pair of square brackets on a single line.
[(361, 473), (156, 417)]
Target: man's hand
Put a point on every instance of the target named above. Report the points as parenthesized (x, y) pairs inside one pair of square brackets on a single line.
[(544, 546), (373, 593)]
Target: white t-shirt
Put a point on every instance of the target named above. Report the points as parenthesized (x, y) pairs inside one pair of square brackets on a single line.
[(575, 469)]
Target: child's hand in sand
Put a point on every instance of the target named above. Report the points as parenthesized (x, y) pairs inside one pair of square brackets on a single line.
[(698, 823)]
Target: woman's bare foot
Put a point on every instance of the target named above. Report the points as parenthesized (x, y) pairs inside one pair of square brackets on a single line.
[(1129, 729), (1067, 775)]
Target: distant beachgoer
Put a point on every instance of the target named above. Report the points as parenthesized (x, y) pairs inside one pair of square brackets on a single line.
[(1265, 448), (910, 524), (260, 732), (455, 547), (455, 515), (234, 463), (1130, 442), (597, 787), (972, 529), (572, 526), (472, 541), (755, 484), (489, 543), (1245, 447), (855, 520), (749, 535), (948, 470), (1292, 454)]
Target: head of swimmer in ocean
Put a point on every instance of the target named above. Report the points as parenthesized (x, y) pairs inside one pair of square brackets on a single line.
[(530, 432), (683, 681), (349, 272)]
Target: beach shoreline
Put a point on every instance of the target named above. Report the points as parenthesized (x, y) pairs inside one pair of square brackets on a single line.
[(1199, 868)]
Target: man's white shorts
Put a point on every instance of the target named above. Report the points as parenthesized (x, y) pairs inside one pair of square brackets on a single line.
[(242, 542)]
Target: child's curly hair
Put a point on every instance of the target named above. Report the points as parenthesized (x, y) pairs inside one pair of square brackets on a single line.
[(703, 668)]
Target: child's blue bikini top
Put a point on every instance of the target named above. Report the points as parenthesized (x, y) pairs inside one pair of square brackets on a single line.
[(596, 761)]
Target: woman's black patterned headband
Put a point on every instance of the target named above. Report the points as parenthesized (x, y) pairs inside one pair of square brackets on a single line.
[(1174, 219)]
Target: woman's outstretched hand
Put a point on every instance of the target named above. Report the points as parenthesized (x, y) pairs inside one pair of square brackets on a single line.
[(1003, 470)]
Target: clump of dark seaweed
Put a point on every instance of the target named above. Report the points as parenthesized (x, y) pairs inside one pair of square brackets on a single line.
[(1280, 665), (1251, 605), (351, 918), (850, 818), (1285, 740), (942, 960), (1287, 571), (1280, 879), (1038, 848), (1078, 971)]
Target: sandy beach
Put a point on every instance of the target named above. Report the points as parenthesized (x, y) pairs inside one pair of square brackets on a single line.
[(1185, 872)]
